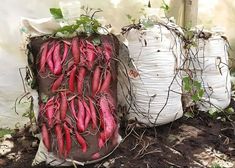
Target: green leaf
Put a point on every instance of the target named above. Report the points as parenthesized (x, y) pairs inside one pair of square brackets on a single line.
[(186, 79), (148, 23), (201, 92), (56, 13), (186, 83), (216, 165), (212, 111), (195, 97), (44, 98), (96, 41), (68, 29), (26, 114), (229, 110), (4, 131), (197, 84), (85, 24), (164, 6), (189, 114)]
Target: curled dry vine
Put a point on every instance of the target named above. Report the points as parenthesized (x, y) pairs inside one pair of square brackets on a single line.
[(26, 78)]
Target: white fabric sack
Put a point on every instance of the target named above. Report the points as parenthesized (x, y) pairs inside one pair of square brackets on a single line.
[(37, 27), (211, 65), (156, 90)]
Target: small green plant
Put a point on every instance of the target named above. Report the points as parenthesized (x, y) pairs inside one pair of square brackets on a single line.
[(56, 13), (30, 112), (189, 38), (165, 7), (4, 131), (143, 20), (216, 165), (189, 114), (222, 115), (85, 24), (194, 88)]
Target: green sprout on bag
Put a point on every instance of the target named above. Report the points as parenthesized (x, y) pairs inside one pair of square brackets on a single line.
[(85, 24)]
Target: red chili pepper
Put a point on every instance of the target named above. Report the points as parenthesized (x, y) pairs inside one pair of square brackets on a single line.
[(72, 79), (93, 114), (63, 106), (57, 60), (81, 141), (106, 84), (90, 53), (88, 114), (96, 80), (81, 117), (50, 111), (80, 79), (109, 121), (43, 58), (75, 50), (45, 136), (57, 83), (66, 49), (68, 140), (60, 139), (49, 57)]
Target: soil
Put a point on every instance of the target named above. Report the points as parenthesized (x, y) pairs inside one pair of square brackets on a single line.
[(196, 142)]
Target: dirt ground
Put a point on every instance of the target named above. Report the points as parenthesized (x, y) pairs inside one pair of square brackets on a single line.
[(195, 142)]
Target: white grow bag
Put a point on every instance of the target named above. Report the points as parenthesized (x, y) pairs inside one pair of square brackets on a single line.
[(156, 89), (212, 71)]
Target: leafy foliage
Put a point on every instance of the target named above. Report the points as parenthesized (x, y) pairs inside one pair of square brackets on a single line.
[(189, 114), (216, 165), (84, 24), (56, 13), (194, 88), (30, 112), (4, 131), (222, 115), (189, 38)]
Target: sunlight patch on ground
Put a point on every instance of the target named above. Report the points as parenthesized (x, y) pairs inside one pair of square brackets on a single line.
[(210, 157)]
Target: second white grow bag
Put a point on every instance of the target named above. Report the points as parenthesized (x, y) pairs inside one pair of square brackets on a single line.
[(210, 62), (154, 78)]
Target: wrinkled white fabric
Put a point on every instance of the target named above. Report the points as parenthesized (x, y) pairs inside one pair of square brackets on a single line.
[(37, 27), (157, 90), (211, 64), (13, 57)]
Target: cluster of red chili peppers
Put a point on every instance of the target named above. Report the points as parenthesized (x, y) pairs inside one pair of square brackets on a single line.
[(81, 100)]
